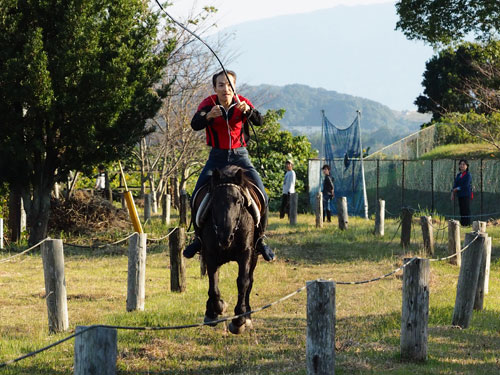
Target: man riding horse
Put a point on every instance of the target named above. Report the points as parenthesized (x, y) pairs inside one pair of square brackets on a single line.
[(225, 120)]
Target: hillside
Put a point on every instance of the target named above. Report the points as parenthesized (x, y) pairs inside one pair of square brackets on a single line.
[(303, 104), (349, 49)]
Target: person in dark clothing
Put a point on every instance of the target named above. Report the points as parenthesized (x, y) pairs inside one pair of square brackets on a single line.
[(462, 188), (328, 192), (225, 119)]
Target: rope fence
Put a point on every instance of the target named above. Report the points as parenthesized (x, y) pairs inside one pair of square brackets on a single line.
[(224, 319), (8, 259)]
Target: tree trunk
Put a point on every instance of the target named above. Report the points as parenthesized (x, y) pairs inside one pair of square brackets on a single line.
[(15, 213), (40, 210)]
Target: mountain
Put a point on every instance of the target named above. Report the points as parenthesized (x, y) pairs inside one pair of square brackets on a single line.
[(350, 49), (380, 125)]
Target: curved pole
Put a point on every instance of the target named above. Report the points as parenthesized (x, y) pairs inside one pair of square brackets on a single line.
[(201, 40)]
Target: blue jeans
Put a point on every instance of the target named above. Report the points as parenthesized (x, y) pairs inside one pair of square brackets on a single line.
[(219, 159)]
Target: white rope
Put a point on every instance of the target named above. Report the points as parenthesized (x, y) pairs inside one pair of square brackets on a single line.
[(23, 252)]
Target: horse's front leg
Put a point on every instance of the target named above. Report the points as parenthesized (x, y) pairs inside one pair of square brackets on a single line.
[(244, 281), (215, 305)]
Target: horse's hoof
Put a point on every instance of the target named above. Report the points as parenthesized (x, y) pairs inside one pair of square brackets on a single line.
[(236, 330), (209, 321), (248, 323)]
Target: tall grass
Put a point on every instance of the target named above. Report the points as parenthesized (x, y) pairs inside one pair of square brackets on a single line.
[(368, 316)]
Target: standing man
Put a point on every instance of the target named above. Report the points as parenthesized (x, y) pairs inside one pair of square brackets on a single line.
[(225, 121), (328, 193), (288, 188)]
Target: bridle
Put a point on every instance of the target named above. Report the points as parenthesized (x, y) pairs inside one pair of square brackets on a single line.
[(241, 208)]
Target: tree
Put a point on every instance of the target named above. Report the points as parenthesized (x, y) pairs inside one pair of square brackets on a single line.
[(272, 147), (482, 127), (461, 80), (76, 88), (442, 22)]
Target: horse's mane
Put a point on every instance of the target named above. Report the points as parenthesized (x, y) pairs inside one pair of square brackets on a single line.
[(228, 174)]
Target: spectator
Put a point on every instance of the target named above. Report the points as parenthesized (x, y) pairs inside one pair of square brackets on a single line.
[(328, 192), (462, 188), (288, 188)]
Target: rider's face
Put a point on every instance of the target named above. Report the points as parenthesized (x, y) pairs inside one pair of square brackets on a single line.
[(223, 88)]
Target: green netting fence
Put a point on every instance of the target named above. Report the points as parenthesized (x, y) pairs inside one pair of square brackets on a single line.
[(424, 185)]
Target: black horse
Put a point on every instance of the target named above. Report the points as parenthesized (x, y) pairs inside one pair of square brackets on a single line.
[(228, 234)]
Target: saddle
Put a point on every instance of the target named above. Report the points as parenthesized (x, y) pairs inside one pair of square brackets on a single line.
[(201, 203)]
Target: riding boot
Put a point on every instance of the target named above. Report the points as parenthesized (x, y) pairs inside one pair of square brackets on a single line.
[(260, 245), (193, 248)]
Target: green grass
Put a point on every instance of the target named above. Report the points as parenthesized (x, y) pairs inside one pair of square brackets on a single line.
[(463, 151), (368, 316)]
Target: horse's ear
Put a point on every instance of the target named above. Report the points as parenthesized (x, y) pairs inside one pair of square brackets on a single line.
[(239, 177)]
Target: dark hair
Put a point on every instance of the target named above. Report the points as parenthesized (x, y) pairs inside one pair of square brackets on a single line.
[(326, 166), (229, 73), (100, 167), (465, 162)]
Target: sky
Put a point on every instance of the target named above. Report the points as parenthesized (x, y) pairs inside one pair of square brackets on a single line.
[(366, 68), (232, 12)]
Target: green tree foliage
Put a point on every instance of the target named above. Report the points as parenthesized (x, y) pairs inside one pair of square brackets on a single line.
[(76, 86), (442, 22), (275, 146), (470, 127), (454, 78)]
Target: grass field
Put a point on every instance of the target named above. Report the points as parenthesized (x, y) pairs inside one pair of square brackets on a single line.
[(463, 151), (368, 316)]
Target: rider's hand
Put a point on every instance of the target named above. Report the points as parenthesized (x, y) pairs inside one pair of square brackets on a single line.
[(214, 112), (243, 107)]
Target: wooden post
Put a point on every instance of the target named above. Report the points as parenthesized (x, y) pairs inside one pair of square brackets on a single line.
[(55, 285), (454, 242), (165, 214), (468, 279), (136, 282), (147, 207), (487, 266), (183, 208), (406, 219), (95, 351), (320, 340), (176, 243), (427, 234), (415, 310), (1, 233), (319, 210), (479, 298), (292, 215), (380, 218), (124, 204), (479, 226), (342, 213)]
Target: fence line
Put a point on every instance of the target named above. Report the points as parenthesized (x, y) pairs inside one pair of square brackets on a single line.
[(224, 319), (8, 259)]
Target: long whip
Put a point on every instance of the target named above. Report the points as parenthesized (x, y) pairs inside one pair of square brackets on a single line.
[(225, 73)]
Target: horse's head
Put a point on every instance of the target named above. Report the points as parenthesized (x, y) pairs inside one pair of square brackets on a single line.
[(228, 203)]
